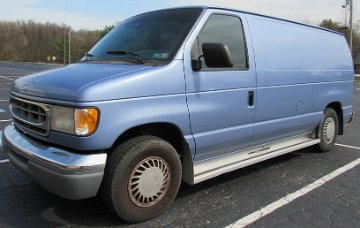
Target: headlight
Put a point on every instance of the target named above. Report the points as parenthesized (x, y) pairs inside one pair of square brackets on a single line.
[(75, 121), (62, 119)]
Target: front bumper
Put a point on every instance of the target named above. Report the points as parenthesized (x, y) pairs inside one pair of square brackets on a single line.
[(67, 174)]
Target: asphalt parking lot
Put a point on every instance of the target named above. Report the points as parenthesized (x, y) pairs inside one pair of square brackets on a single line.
[(300, 189)]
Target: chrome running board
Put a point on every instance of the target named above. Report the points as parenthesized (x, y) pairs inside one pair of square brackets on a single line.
[(214, 167)]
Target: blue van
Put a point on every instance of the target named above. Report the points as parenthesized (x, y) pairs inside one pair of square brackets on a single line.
[(175, 95)]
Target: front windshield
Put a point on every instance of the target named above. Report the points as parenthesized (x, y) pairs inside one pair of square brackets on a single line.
[(149, 37)]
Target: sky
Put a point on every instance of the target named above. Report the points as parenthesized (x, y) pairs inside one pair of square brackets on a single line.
[(96, 14)]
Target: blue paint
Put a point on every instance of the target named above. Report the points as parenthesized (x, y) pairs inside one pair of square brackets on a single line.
[(293, 73), (209, 107), (1, 141), (2, 110)]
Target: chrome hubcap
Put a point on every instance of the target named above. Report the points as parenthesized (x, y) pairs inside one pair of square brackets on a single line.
[(149, 182), (329, 130)]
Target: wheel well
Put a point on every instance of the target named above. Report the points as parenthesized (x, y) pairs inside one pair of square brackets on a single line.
[(170, 133), (337, 107)]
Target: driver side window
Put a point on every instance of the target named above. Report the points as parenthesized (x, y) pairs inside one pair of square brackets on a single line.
[(227, 30)]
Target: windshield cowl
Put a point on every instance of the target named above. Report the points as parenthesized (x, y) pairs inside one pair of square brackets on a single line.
[(126, 62)]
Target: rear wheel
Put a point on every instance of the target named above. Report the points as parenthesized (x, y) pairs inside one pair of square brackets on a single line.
[(141, 179), (328, 130)]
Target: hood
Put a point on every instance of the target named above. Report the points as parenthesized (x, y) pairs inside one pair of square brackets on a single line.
[(91, 82), (66, 83)]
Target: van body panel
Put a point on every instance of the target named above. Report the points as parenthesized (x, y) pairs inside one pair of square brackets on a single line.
[(55, 84), (131, 111), (221, 119), (300, 71), (103, 82), (126, 114), (267, 101)]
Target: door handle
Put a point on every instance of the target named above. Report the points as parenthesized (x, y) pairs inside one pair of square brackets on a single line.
[(251, 96)]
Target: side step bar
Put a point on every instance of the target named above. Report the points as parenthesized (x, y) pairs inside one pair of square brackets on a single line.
[(214, 167)]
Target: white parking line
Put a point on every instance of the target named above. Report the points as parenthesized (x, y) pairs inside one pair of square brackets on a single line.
[(352, 147), (6, 78), (4, 161), (249, 219), (5, 120), (4, 100), (12, 76)]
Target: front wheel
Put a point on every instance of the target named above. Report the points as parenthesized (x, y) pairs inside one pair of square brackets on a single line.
[(328, 130), (142, 178)]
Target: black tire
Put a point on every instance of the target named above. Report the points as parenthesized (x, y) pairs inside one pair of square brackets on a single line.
[(328, 130), (160, 160)]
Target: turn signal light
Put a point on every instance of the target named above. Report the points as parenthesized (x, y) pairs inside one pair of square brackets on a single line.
[(86, 121)]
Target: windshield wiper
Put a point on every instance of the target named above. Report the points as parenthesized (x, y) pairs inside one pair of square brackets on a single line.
[(88, 56), (131, 55)]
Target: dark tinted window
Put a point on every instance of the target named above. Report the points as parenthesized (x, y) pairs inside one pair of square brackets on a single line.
[(227, 30), (154, 36)]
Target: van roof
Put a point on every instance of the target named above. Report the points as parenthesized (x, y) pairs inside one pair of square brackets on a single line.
[(258, 14)]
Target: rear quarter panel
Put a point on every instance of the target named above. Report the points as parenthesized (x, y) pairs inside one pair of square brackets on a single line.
[(300, 70)]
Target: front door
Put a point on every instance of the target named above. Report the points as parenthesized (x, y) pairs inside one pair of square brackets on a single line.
[(221, 100)]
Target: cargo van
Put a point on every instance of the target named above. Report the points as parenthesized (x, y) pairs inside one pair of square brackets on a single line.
[(183, 94)]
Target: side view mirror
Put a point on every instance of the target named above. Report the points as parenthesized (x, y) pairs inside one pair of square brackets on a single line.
[(217, 55)]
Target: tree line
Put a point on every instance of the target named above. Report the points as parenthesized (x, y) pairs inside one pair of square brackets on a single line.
[(35, 42), (30, 41)]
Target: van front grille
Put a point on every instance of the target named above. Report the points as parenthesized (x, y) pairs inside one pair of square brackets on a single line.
[(29, 116)]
